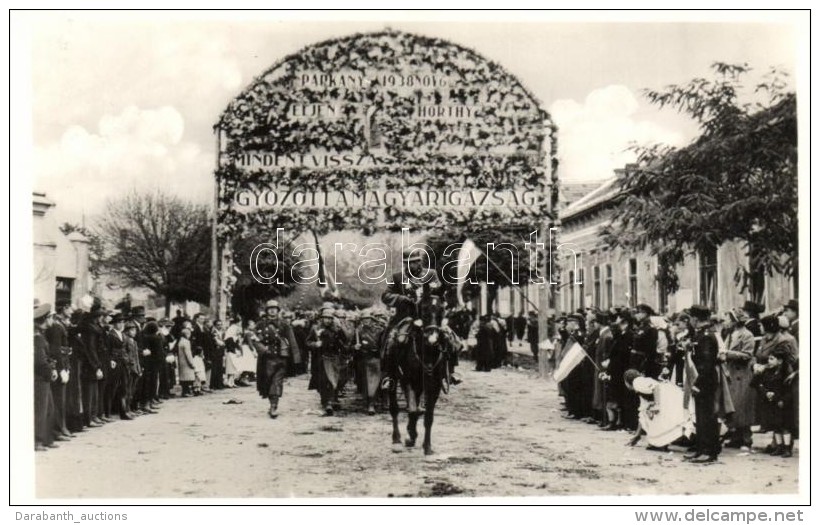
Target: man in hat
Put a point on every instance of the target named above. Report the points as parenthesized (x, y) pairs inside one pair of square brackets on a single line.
[(704, 388), (601, 353), (277, 345), (645, 344), (117, 385), (618, 404), (60, 354), (403, 295), (91, 365), (752, 311), (682, 339), (45, 374), (790, 311), (329, 343), (532, 333), (140, 385), (133, 370)]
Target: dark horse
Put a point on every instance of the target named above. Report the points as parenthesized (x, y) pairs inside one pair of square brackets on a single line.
[(421, 349)]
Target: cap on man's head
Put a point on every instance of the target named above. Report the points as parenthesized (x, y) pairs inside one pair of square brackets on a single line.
[(645, 308), (327, 313), (770, 324), (700, 312), (137, 311), (416, 254), (624, 316), (753, 307), (578, 318), (602, 317), (60, 304), (118, 318), (130, 324), (272, 303), (41, 311)]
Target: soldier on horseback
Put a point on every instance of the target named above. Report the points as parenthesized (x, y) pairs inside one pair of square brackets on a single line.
[(404, 295), (418, 347)]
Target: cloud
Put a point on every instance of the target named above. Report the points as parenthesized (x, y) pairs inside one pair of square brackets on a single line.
[(82, 70), (136, 149), (593, 136)]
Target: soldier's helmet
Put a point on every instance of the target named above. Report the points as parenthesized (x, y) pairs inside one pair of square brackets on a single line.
[(272, 303), (327, 313), (414, 255)]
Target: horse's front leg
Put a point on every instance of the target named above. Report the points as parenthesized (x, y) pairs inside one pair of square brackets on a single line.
[(412, 416), (394, 414), (431, 395)]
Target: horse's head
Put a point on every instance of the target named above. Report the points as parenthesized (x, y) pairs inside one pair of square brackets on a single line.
[(434, 344)]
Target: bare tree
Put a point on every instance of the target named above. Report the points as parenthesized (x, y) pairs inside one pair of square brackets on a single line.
[(159, 242)]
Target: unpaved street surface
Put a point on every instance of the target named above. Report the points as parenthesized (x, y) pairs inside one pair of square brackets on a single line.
[(496, 434)]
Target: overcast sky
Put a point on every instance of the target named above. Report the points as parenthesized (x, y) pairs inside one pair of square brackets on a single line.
[(118, 105)]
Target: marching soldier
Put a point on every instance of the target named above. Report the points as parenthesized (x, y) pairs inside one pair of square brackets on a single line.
[(330, 342), (277, 344)]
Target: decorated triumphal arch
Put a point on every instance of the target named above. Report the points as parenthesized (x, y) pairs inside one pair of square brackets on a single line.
[(380, 131)]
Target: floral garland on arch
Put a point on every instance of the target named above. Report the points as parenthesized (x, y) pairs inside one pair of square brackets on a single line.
[(373, 85)]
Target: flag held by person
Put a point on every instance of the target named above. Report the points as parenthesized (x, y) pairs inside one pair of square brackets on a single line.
[(468, 253), (571, 359)]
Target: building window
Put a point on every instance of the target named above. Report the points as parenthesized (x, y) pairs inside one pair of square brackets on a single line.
[(609, 289), (571, 291), (633, 282), (708, 277), (63, 289), (596, 286), (581, 299)]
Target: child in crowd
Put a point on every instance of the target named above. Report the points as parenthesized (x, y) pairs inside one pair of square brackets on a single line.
[(185, 360), (776, 410)]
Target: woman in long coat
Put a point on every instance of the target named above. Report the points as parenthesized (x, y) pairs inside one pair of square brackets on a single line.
[(185, 359), (739, 356)]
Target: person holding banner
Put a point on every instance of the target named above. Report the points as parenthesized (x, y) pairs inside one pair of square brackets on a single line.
[(566, 374)]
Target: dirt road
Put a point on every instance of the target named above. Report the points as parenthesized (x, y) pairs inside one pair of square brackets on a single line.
[(496, 434)]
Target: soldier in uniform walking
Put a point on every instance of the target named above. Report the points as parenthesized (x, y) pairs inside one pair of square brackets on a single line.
[(330, 344), (705, 388), (277, 344)]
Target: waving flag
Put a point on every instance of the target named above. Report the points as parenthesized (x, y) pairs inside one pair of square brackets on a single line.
[(571, 359), (468, 252)]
